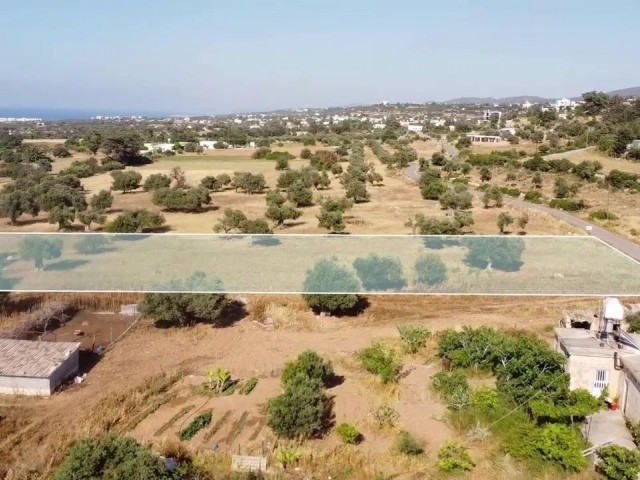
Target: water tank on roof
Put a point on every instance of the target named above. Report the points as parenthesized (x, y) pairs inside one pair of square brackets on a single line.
[(612, 309)]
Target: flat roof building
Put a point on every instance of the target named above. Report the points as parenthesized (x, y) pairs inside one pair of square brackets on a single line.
[(36, 367)]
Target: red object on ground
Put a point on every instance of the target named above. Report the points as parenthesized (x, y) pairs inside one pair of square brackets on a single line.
[(613, 407)]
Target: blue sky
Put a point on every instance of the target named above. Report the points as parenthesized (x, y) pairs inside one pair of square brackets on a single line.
[(208, 56)]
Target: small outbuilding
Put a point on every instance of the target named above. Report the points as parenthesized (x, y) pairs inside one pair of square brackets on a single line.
[(36, 367)]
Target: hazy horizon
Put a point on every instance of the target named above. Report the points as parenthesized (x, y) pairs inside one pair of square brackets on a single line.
[(255, 56)]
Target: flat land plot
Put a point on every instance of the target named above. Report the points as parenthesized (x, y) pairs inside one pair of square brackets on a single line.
[(591, 153), (390, 205), (548, 265)]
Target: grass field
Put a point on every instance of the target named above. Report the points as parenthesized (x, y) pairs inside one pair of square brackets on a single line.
[(591, 153), (549, 264), (390, 205)]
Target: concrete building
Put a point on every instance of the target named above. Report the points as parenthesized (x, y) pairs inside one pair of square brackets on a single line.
[(36, 367), (489, 115), (414, 128), (604, 356), (484, 138)]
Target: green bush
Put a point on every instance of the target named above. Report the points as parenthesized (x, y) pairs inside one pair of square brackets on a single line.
[(485, 398), (303, 410), (553, 443), (383, 362), (568, 204), (406, 444), (602, 215), (533, 196), (249, 386), (197, 424), (619, 463), (309, 364), (414, 337), (453, 457), (633, 320), (112, 457), (453, 389), (512, 192), (348, 433)]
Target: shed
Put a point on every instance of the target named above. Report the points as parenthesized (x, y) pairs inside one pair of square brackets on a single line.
[(36, 367)]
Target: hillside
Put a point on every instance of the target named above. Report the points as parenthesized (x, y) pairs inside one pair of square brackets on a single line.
[(626, 92), (493, 100)]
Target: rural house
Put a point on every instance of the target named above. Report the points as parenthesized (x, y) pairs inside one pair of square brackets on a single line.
[(30, 367), (604, 356)]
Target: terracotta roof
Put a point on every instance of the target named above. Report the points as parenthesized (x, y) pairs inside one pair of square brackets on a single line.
[(27, 358)]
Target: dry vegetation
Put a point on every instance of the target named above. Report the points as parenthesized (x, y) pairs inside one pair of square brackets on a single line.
[(142, 400)]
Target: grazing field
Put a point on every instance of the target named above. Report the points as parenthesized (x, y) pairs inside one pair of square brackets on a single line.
[(591, 153), (390, 205)]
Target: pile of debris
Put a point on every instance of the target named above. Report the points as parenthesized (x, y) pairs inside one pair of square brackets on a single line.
[(34, 324)]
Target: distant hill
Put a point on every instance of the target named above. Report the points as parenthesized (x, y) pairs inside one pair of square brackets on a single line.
[(626, 92), (492, 100)]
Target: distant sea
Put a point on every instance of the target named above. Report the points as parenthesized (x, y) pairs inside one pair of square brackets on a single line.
[(70, 113)]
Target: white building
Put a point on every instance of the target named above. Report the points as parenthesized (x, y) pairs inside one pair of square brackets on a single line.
[(36, 367), (604, 356), (438, 122), (484, 138), (414, 128), (378, 126), (564, 103), (527, 105)]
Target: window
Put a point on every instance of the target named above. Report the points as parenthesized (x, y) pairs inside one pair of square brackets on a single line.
[(601, 381)]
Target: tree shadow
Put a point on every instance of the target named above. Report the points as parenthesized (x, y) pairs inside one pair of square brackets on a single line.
[(64, 265), (360, 306), (335, 381), (234, 312)]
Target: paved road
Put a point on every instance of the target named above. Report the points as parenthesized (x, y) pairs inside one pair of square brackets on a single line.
[(625, 246)]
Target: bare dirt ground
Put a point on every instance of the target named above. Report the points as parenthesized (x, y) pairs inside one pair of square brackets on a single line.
[(41, 426)]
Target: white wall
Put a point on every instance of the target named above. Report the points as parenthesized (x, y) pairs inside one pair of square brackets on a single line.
[(41, 386), (630, 399), (582, 370), (24, 386)]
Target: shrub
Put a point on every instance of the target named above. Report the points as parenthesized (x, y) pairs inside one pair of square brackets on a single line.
[(249, 386), (197, 424), (385, 416), (381, 361), (309, 364), (567, 204), (453, 457), (533, 196), (110, 457), (619, 463), (329, 276), (406, 444), (430, 270), (348, 433), (633, 320), (414, 337), (156, 181), (559, 444), (602, 215), (303, 410), (453, 388)]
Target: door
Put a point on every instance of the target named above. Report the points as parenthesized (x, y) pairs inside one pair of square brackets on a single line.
[(600, 382)]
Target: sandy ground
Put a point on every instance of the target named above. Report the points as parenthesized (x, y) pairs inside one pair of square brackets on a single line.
[(248, 350)]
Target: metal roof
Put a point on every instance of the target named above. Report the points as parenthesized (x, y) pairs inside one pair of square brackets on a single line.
[(27, 358)]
